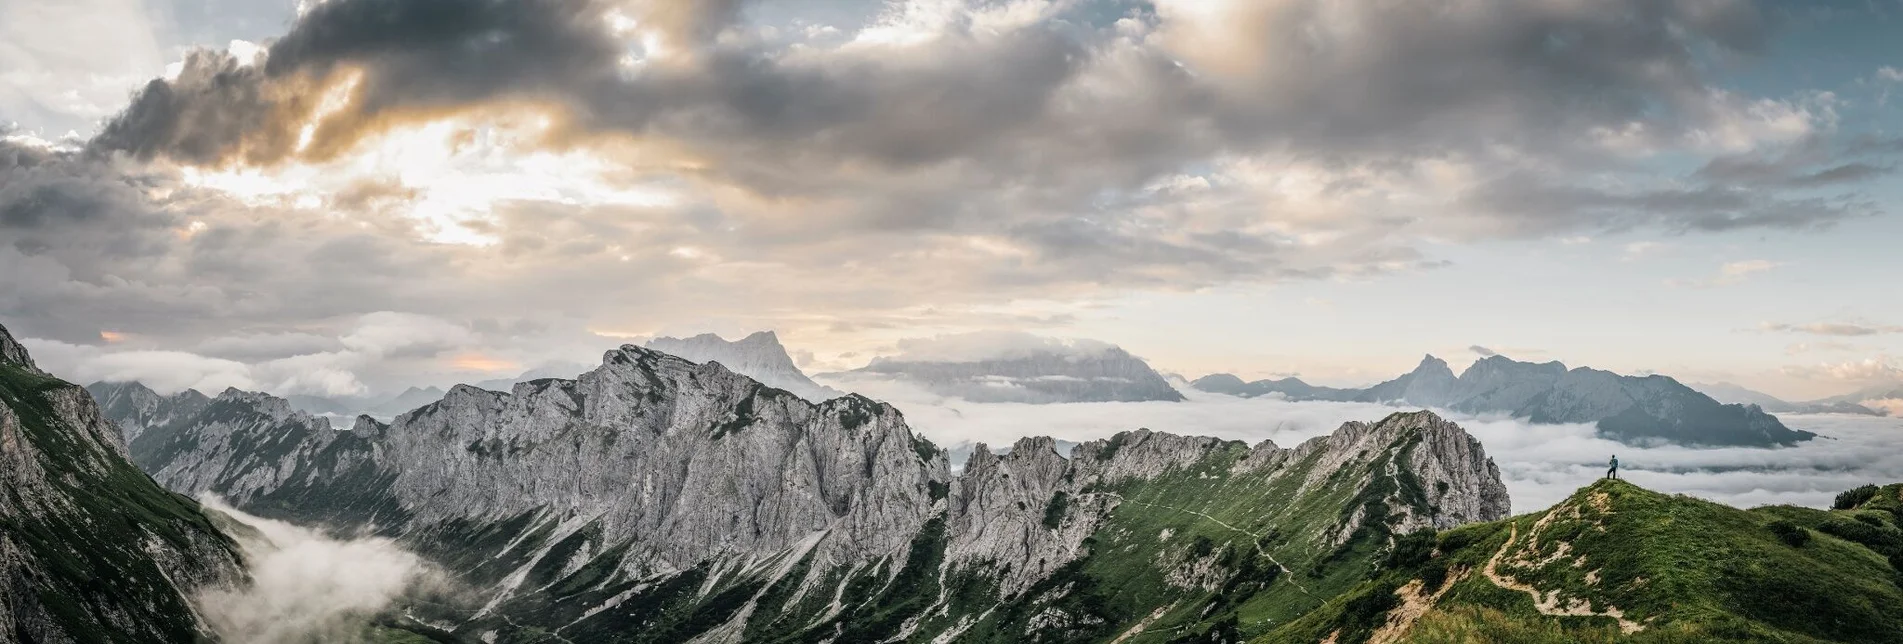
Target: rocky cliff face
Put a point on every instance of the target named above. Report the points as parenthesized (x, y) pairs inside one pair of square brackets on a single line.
[(655, 499), (91, 549), (1625, 408), (758, 356), (1107, 375)]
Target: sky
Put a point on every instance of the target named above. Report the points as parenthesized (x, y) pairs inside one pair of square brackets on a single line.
[(345, 197)]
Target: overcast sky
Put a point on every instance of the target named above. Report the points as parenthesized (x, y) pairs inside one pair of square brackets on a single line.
[(348, 196)]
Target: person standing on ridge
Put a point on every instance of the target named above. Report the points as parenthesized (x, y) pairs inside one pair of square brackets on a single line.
[(1613, 471)]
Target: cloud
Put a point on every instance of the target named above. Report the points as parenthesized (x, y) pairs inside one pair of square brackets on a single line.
[(1729, 274), (1540, 464), (306, 586), (655, 165), (163, 371), (1833, 328), (991, 345), (1808, 347), (1879, 368), (1640, 249), (406, 346), (1812, 162), (1483, 351), (256, 346)]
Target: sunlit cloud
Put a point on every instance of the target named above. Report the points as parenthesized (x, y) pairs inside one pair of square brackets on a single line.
[(479, 362)]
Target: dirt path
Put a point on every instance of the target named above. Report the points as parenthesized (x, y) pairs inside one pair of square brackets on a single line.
[(1549, 603)]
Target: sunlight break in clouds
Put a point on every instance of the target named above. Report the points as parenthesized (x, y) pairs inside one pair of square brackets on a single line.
[(305, 586)]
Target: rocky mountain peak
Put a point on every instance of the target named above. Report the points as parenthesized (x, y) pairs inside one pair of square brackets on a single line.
[(11, 352), (1501, 365), (1219, 383), (759, 356), (136, 407), (274, 406)]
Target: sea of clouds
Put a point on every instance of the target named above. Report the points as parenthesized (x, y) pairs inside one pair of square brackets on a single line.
[(1540, 464)]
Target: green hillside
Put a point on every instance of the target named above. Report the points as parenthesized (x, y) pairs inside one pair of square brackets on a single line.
[(1619, 563)]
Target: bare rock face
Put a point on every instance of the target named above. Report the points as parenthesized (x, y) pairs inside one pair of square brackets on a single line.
[(685, 462), (692, 461), (91, 549)]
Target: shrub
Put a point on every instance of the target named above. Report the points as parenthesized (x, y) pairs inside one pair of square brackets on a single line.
[(1853, 531), (1792, 534), (1366, 613), (1412, 549), (1849, 500), (1054, 513), (1452, 540)]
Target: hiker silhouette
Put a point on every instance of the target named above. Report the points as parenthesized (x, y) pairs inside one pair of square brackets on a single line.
[(1613, 471)]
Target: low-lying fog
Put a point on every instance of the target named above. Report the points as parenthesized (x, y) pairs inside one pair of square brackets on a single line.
[(306, 587), (1540, 464)]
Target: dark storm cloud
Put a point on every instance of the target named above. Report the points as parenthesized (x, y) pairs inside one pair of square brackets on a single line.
[(417, 55)]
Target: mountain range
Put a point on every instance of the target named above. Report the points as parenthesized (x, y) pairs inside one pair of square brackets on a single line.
[(655, 499), (1632, 409), (1880, 400), (1071, 375)]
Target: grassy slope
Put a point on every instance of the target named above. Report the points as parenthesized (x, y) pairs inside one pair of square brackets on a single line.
[(1243, 529), (1685, 570), (89, 559)]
